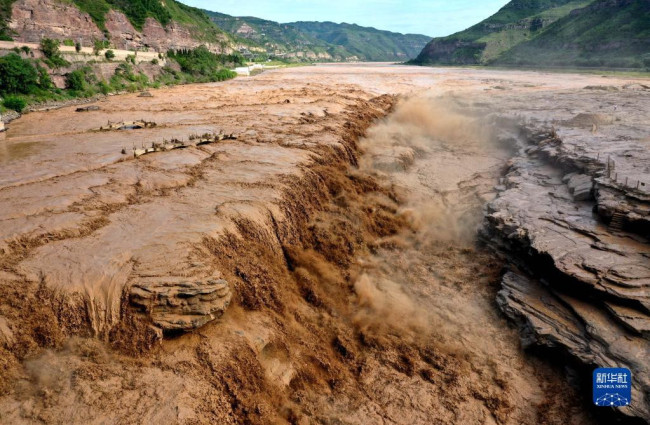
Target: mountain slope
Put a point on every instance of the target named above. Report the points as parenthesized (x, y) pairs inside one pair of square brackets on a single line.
[(276, 38), (367, 43), (323, 40), (611, 33), (517, 22), (547, 33)]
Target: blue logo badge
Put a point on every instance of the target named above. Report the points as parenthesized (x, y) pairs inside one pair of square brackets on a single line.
[(612, 387)]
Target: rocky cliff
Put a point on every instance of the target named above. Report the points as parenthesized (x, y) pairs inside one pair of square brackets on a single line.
[(32, 20)]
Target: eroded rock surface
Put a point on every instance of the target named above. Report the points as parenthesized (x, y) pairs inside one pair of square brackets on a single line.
[(576, 236), (175, 304)]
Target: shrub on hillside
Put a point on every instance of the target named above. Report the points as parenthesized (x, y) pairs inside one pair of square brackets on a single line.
[(103, 87), (44, 80), (75, 80), (50, 49), (17, 75), (14, 102), (110, 55), (99, 45)]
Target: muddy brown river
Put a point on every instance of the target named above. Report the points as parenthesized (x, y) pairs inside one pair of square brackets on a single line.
[(319, 266)]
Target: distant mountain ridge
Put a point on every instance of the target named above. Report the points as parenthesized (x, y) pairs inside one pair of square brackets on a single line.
[(366, 42), (322, 40), (605, 33)]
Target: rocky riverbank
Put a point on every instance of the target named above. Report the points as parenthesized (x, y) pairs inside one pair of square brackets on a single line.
[(571, 218)]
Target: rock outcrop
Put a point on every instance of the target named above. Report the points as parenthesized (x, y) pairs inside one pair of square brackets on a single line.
[(31, 20), (177, 304), (579, 281)]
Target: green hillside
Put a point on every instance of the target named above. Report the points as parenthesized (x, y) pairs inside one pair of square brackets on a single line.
[(517, 22), (613, 34), (366, 43), (550, 33)]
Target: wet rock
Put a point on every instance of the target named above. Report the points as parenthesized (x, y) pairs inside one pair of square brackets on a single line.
[(88, 108), (590, 120), (581, 186), (127, 125), (580, 282), (175, 304)]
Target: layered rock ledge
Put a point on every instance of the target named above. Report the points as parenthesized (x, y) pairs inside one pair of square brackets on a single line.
[(576, 236)]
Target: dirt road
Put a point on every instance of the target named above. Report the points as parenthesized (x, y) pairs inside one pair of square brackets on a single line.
[(321, 268)]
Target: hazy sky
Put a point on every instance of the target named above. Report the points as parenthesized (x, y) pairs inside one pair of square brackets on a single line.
[(429, 17)]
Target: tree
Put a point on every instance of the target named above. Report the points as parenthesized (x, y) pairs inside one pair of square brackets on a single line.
[(17, 75), (110, 55), (77, 47), (50, 48)]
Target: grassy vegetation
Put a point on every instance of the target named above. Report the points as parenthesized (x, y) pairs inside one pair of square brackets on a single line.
[(53, 57), (26, 81), (97, 9)]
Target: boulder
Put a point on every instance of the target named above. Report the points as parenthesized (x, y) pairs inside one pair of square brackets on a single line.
[(177, 304), (581, 187)]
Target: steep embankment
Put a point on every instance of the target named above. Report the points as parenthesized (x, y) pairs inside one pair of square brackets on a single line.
[(611, 33), (126, 24)]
